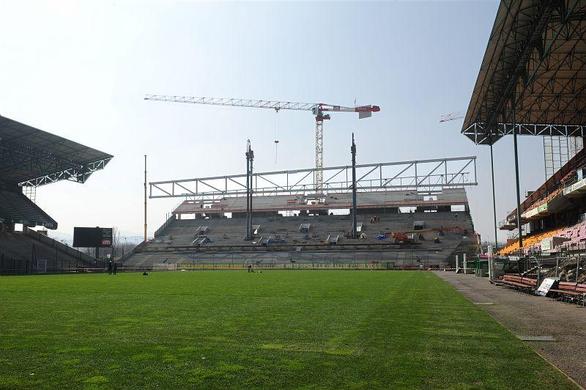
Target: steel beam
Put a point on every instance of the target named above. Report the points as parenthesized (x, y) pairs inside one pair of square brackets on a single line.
[(77, 174), (479, 133), (458, 172)]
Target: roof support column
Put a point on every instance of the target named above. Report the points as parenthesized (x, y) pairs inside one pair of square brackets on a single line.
[(515, 131), (493, 200)]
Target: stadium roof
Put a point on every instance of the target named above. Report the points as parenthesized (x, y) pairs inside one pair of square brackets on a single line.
[(32, 157), (537, 53)]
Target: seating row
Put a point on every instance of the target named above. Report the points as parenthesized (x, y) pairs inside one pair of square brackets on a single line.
[(565, 290)]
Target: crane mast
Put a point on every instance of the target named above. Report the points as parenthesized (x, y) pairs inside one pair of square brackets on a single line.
[(319, 110)]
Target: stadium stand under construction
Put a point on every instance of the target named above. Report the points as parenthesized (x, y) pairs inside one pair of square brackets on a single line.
[(29, 158), (409, 215)]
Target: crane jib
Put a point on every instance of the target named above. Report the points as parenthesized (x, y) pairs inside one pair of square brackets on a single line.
[(318, 110)]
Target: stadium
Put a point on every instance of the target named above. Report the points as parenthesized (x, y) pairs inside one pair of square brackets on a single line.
[(358, 275)]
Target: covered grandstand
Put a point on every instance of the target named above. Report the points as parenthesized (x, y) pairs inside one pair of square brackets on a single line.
[(554, 214), (532, 81), (29, 158), (410, 214)]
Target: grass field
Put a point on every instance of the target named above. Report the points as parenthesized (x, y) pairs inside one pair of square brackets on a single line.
[(280, 329)]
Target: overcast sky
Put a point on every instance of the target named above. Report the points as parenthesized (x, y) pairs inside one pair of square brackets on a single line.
[(80, 70)]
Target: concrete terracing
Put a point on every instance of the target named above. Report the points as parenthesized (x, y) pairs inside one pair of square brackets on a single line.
[(279, 239)]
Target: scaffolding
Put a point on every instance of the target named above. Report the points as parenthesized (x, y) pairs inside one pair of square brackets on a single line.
[(557, 151)]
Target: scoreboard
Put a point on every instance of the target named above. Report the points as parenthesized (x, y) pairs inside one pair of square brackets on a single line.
[(92, 237)]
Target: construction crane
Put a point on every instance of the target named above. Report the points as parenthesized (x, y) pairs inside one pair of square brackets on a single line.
[(452, 116), (319, 110)]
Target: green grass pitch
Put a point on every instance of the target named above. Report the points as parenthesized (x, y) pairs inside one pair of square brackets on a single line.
[(279, 329)]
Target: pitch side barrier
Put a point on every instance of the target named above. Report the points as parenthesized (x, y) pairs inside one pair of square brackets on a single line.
[(240, 266)]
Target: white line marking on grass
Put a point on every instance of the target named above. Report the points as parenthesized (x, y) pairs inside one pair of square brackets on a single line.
[(536, 338)]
